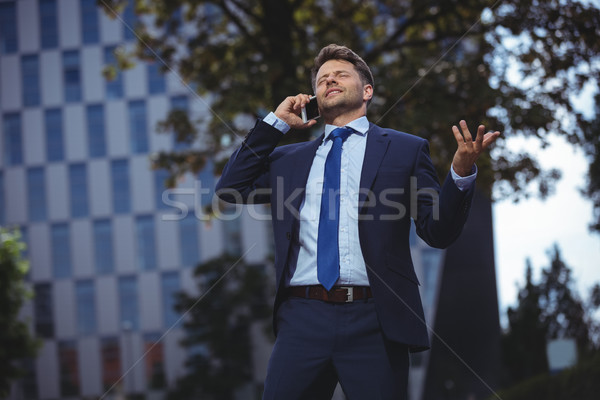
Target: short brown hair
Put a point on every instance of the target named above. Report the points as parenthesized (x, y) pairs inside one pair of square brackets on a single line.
[(337, 52)]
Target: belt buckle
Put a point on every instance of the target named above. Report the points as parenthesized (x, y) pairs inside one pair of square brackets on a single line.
[(349, 293)]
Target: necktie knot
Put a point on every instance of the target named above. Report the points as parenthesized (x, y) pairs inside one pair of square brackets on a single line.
[(342, 132)]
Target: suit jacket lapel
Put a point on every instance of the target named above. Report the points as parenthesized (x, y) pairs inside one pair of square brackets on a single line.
[(377, 144)]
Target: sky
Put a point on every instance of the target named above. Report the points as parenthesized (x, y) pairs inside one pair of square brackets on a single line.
[(529, 229)]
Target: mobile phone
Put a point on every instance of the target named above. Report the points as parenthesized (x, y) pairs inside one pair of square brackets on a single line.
[(310, 110)]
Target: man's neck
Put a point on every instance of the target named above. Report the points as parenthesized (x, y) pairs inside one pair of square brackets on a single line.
[(345, 118)]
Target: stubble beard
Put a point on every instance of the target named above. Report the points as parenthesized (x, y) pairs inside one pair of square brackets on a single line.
[(340, 106)]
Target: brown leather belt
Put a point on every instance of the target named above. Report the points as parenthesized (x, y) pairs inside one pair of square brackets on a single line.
[(337, 294)]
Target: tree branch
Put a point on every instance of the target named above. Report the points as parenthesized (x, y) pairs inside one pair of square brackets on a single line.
[(234, 18), (246, 9)]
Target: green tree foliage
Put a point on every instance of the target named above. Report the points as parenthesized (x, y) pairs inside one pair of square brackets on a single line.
[(548, 310), (233, 296), (524, 346), (564, 311), (16, 342), (591, 146), (513, 65), (580, 382), (594, 307)]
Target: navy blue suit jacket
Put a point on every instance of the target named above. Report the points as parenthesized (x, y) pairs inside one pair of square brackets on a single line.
[(398, 182)]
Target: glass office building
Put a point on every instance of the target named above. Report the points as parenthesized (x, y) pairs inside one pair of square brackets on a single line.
[(107, 253)]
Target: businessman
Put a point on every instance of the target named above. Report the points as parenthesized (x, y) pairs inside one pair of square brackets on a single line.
[(347, 307)]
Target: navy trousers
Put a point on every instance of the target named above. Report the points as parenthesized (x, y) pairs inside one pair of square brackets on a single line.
[(319, 344)]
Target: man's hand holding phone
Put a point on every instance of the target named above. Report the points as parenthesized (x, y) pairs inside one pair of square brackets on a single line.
[(310, 110), (291, 110)]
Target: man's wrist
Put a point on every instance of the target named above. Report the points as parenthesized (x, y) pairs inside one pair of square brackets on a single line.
[(464, 182), (463, 173), (276, 122)]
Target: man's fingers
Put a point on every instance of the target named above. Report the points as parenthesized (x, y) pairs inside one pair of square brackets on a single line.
[(297, 103), (310, 123), (459, 138), (479, 138), (300, 101), (490, 138), (480, 133), (465, 130)]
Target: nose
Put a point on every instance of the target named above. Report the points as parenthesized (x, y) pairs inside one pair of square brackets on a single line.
[(331, 79)]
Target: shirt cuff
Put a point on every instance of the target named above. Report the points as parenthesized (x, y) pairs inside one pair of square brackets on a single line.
[(276, 123), (464, 182)]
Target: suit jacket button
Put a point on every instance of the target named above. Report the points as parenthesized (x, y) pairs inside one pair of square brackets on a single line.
[(288, 235)]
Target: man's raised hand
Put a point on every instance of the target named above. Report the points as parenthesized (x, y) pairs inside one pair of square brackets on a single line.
[(469, 150)]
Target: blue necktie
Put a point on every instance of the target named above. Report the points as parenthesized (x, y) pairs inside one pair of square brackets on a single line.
[(328, 255)]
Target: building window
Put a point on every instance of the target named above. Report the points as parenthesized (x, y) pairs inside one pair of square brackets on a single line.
[(30, 80), (156, 78), (25, 239), (128, 303), (160, 178), (179, 103), (72, 76), (78, 190), (206, 181), (43, 310), (146, 244), (68, 368), (36, 194), (86, 307), (95, 129), (13, 141), (114, 86), (232, 234), (103, 246), (111, 361), (130, 21), (188, 241), (89, 21), (170, 288), (61, 250), (138, 129), (54, 135), (120, 186), (155, 361), (8, 27), (48, 24)]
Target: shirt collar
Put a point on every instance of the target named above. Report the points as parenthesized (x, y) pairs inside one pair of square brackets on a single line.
[(360, 125)]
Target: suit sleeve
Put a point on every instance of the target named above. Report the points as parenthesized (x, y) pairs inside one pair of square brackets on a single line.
[(245, 177), (441, 213)]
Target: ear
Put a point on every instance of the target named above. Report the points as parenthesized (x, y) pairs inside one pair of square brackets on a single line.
[(367, 92)]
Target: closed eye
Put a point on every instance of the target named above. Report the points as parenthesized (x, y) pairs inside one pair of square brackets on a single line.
[(337, 74)]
